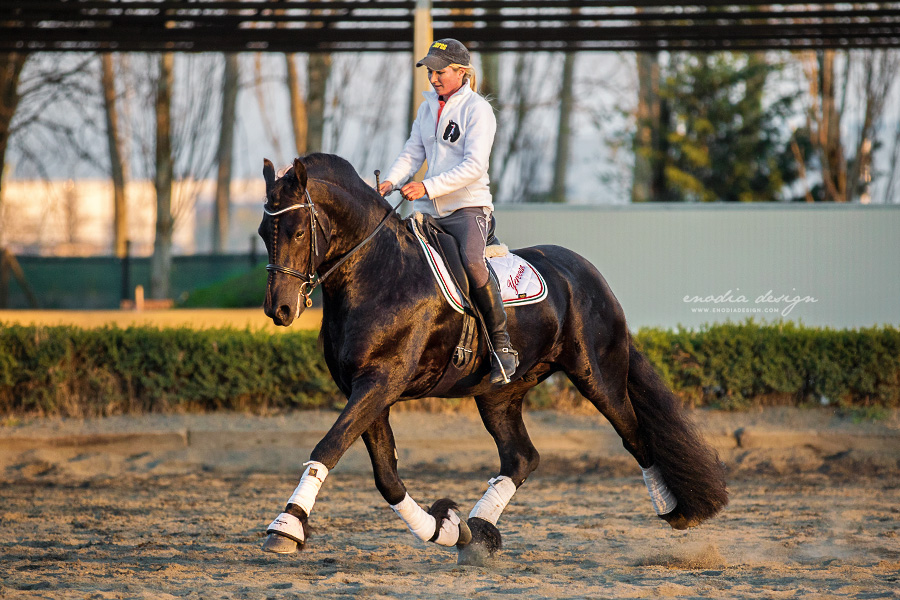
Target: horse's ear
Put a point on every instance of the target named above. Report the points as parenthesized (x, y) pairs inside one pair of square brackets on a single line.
[(269, 174), (300, 172)]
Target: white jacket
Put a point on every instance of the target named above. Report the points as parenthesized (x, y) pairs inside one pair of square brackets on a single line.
[(458, 151)]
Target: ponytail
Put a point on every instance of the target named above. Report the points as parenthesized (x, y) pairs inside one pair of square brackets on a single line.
[(470, 74)]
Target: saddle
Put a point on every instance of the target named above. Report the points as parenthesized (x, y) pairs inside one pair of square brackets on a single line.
[(523, 285), (462, 362), (448, 248)]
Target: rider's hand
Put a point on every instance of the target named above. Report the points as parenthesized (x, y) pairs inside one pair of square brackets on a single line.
[(413, 190), (386, 187)]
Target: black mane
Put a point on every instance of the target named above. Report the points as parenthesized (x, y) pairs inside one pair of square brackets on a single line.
[(336, 170)]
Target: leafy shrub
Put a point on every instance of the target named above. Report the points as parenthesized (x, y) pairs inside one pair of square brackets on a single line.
[(71, 371), (79, 372)]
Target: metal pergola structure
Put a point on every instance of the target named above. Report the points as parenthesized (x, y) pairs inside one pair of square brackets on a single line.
[(484, 25)]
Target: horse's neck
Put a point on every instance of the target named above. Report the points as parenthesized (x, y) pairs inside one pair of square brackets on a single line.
[(385, 258), (352, 218)]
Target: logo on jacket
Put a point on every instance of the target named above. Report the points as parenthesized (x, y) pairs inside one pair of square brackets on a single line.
[(452, 132)]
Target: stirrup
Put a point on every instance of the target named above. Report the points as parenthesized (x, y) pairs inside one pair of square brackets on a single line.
[(497, 365)]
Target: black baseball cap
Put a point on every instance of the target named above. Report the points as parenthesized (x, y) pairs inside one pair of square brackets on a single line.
[(443, 53)]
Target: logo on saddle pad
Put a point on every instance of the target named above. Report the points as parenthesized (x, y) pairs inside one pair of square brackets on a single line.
[(513, 282)]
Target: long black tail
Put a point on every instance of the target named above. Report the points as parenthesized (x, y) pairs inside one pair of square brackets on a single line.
[(689, 465)]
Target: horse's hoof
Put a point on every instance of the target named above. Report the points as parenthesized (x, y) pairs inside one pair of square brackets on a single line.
[(484, 543), (678, 521), (465, 535), (279, 544)]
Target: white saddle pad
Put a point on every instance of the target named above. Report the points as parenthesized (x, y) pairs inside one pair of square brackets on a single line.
[(520, 283)]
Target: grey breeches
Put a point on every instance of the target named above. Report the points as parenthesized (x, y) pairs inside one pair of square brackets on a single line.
[(470, 226)]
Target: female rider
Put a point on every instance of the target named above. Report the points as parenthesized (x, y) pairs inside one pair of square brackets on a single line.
[(454, 131)]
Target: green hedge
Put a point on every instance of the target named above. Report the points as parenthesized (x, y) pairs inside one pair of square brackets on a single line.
[(739, 365), (79, 372)]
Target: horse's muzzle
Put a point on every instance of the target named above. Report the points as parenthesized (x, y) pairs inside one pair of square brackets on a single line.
[(283, 308), (282, 315)]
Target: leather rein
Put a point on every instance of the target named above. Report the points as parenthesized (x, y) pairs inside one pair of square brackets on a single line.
[(311, 279)]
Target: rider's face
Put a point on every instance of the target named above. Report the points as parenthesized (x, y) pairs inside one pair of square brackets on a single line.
[(446, 81)]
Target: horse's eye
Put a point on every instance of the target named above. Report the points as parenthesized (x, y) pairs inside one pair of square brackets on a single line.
[(298, 235)]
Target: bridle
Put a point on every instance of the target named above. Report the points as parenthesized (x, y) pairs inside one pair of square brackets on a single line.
[(311, 279)]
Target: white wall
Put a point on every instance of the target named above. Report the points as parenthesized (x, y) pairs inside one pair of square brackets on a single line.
[(845, 257)]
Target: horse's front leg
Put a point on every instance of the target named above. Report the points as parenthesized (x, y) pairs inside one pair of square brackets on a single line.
[(501, 413), (440, 523), (369, 398)]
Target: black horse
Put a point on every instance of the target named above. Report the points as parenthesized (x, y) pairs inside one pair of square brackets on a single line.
[(388, 335)]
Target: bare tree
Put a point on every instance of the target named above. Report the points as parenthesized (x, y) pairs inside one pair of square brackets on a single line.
[(889, 192), (318, 72), (262, 87), (225, 153), (523, 141), (356, 122), (877, 71), (48, 108), (161, 261), (489, 82), (298, 105), (117, 166), (563, 135), (11, 66), (647, 138), (173, 105), (823, 120), (844, 147)]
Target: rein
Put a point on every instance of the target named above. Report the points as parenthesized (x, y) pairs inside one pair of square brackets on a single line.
[(311, 280)]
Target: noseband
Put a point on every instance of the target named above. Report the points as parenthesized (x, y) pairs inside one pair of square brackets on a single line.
[(311, 280)]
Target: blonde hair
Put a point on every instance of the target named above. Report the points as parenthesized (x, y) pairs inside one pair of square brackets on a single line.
[(470, 74)]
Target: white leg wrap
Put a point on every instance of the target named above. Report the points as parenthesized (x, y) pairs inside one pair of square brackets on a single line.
[(661, 496), (500, 491), (287, 525), (313, 478), (423, 525)]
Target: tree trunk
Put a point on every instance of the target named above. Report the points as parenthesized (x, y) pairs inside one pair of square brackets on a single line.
[(646, 139), (10, 69), (834, 167), (225, 153), (561, 164), (490, 74), (318, 71), (116, 162), (298, 105), (161, 262)]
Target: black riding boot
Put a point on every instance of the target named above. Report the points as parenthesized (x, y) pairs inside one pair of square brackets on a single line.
[(504, 360)]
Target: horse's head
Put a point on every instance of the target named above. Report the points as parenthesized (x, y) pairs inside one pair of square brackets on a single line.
[(294, 238)]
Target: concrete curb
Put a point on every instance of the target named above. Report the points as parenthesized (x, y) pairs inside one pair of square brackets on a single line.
[(108, 441), (743, 438)]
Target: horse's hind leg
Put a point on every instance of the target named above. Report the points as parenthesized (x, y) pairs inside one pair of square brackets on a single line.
[(439, 524), (602, 377), (605, 377), (502, 416)]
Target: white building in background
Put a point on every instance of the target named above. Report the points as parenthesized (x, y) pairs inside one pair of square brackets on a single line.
[(75, 218)]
